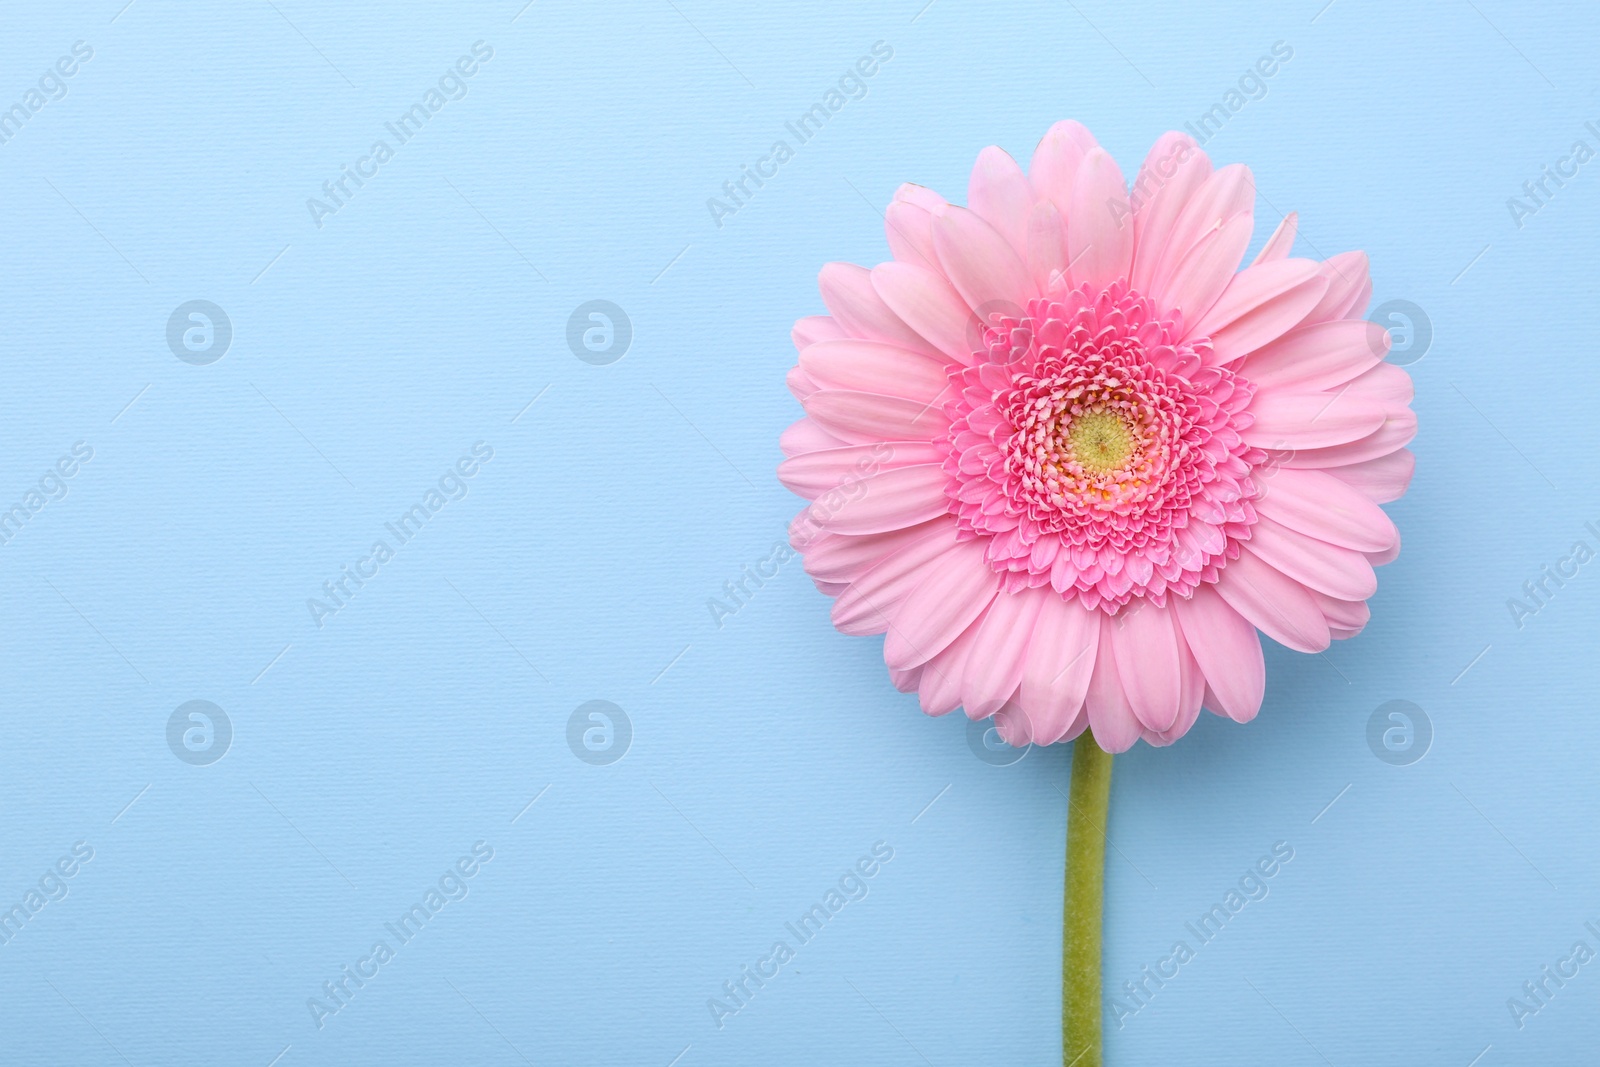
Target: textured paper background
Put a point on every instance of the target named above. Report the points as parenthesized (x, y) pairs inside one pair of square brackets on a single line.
[(768, 754)]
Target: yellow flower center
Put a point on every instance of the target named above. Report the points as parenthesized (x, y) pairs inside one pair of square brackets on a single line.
[(1101, 441)]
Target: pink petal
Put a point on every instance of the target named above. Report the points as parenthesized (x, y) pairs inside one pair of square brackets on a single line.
[(1099, 222), (1281, 241), (1223, 196), (1110, 715), (848, 292), (869, 603), (1172, 173), (1054, 169), (888, 500), (1228, 651), (1260, 304), (955, 591), (1382, 479), (1346, 616), (939, 691), (1395, 433), (842, 558), (1047, 244), (814, 328), (929, 304), (1302, 420), (806, 436), (999, 194), (1338, 572), (1319, 505), (979, 262), (1320, 356), (1349, 288), (1274, 603), (1150, 663), (993, 671), (1055, 678), (861, 418), (814, 473), (875, 367), (1204, 273)]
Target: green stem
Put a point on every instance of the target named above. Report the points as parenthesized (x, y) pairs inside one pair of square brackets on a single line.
[(1083, 897)]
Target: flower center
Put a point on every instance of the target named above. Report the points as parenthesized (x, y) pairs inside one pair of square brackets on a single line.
[(1100, 441)]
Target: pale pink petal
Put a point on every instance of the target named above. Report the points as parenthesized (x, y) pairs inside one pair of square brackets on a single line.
[(887, 500), (1281, 241), (999, 194), (842, 558), (875, 367), (1047, 245), (1223, 196), (1308, 420), (929, 304), (1054, 169), (979, 262), (1395, 433), (1321, 356), (1319, 505), (1099, 223), (1055, 678), (1349, 288), (1261, 304), (1338, 572), (993, 671), (814, 328), (869, 603), (1150, 655), (939, 690), (1274, 603), (1382, 479), (956, 589), (1110, 715), (1228, 651), (1345, 617), (1172, 173), (804, 436), (861, 418), (848, 292), (811, 474), (1204, 273)]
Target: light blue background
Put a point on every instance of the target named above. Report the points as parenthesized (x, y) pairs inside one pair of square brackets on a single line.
[(770, 753)]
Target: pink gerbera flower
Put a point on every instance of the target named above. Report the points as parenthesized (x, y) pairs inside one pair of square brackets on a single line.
[(1070, 458)]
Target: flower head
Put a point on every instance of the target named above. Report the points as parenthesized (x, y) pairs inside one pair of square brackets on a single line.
[(1071, 460)]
